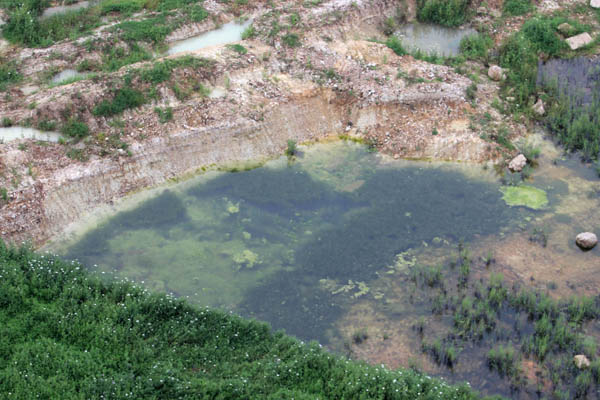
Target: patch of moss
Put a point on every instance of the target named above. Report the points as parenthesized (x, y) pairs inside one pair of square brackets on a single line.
[(526, 196)]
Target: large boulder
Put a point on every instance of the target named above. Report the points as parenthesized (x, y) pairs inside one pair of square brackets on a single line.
[(595, 3), (518, 163), (578, 41), (495, 73), (581, 361), (538, 108), (586, 240)]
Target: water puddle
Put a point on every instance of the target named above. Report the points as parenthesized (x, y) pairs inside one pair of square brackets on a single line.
[(66, 75), (433, 38), (228, 33), (48, 12), (17, 132)]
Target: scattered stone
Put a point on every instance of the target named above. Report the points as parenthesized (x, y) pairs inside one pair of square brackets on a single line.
[(586, 240), (518, 163), (565, 28), (578, 41), (538, 108), (595, 3), (581, 361), (495, 73)]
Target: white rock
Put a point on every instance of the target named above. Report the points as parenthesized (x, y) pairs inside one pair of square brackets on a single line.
[(581, 361), (595, 3), (495, 73), (518, 163), (538, 108), (578, 41), (586, 240)]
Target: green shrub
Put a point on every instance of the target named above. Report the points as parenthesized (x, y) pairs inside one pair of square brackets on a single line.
[(291, 149), (6, 122), (541, 32), (147, 30), (8, 74), (476, 46), (291, 40), (443, 12), (75, 129), (396, 45), (249, 33), (121, 6), (238, 48), (123, 99), (165, 115), (517, 7), (504, 360), (117, 57), (47, 125)]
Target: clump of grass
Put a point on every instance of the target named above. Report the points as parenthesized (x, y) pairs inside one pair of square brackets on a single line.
[(517, 7), (291, 40), (249, 33), (291, 149), (75, 128), (8, 74), (165, 115), (475, 47), (396, 45), (504, 360), (360, 336), (123, 99), (238, 48), (7, 122)]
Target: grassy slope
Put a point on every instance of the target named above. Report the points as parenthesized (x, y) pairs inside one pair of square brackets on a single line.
[(64, 333)]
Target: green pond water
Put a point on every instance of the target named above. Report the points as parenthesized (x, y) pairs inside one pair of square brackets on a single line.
[(279, 242)]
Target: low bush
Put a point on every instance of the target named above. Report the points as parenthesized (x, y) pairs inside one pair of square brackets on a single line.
[(75, 129), (476, 46), (517, 7), (8, 74), (123, 99)]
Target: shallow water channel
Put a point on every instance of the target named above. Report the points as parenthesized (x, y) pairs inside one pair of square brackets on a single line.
[(324, 245), (18, 132)]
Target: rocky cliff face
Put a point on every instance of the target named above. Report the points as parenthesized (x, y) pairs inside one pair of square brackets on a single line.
[(407, 108)]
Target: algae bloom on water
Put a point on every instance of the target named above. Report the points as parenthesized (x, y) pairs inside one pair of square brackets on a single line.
[(526, 196)]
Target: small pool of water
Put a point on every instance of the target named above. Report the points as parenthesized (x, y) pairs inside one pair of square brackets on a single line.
[(433, 38), (48, 12), (228, 33), (17, 132), (66, 75)]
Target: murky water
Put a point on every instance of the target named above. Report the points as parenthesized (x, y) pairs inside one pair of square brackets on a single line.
[(17, 132), (66, 75), (326, 245), (48, 12), (433, 38), (275, 242), (228, 33)]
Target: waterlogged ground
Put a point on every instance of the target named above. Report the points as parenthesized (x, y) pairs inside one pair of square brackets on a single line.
[(324, 245)]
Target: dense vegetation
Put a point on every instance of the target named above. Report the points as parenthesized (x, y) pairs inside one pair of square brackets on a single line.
[(443, 12), (25, 26), (67, 334)]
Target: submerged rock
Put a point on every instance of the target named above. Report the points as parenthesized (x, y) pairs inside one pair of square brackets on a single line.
[(495, 73), (578, 41), (586, 240), (518, 163), (538, 108), (581, 361), (526, 196)]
